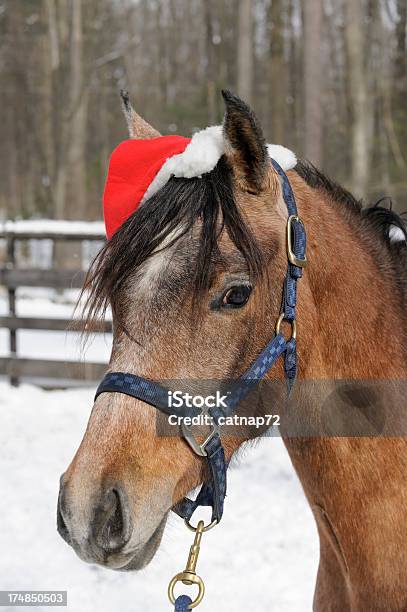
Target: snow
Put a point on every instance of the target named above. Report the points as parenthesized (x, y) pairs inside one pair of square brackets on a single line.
[(264, 554), (65, 346), (45, 226)]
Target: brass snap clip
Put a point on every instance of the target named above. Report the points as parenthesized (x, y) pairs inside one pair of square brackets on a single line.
[(189, 575)]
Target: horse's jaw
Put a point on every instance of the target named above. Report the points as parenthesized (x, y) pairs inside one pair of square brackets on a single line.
[(136, 555), (134, 559)]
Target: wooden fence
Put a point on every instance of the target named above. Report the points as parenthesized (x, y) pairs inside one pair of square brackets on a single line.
[(13, 278)]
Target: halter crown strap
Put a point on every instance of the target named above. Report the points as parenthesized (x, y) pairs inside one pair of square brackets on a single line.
[(213, 491)]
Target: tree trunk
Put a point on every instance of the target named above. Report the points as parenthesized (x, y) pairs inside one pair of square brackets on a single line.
[(210, 71), (53, 34), (277, 92), (355, 42), (71, 171), (312, 14), (245, 50), (401, 60), (78, 117)]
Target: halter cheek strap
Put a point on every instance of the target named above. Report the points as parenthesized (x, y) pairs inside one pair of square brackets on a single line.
[(213, 491)]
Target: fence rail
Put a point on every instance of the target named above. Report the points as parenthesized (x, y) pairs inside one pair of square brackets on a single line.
[(47, 370), (12, 277), (56, 279)]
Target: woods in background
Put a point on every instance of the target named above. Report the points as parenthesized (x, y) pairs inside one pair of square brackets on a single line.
[(327, 78)]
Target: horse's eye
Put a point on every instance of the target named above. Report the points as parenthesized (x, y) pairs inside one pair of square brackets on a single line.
[(237, 296)]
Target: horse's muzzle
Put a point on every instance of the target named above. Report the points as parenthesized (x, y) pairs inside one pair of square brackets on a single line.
[(108, 530)]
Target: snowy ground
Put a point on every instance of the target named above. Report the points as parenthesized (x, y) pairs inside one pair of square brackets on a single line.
[(263, 556), (44, 226)]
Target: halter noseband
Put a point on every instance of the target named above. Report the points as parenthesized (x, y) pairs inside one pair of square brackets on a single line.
[(213, 492)]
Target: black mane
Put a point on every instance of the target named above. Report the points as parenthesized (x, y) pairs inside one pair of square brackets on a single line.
[(376, 221), (317, 180), (381, 218), (179, 204)]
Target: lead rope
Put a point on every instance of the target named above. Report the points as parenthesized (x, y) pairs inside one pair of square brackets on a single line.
[(183, 603)]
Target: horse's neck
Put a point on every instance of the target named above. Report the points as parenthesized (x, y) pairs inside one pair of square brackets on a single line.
[(349, 310), (349, 327)]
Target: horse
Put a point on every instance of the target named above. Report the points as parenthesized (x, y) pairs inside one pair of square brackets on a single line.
[(193, 278)]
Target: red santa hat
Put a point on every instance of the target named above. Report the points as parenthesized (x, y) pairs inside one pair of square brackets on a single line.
[(139, 168)]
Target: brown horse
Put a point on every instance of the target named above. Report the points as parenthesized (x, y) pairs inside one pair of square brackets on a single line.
[(170, 273)]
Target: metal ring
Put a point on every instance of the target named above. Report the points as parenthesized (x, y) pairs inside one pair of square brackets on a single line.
[(187, 578), (205, 528), (293, 324)]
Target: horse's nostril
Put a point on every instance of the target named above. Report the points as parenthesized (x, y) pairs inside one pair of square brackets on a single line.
[(115, 524), (111, 524)]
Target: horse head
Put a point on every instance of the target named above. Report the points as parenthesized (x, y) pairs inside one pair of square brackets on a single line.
[(194, 279)]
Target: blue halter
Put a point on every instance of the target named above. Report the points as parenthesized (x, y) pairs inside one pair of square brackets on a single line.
[(213, 491)]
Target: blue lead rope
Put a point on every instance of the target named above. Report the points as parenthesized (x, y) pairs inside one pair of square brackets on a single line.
[(182, 604)]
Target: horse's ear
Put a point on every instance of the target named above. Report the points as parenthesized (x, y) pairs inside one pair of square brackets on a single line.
[(138, 128), (245, 144)]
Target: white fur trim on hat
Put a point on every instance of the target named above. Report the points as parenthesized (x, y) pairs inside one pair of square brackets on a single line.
[(284, 157), (396, 234), (201, 156)]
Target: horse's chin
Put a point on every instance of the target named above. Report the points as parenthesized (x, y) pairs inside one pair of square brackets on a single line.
[(141, 558), (130, 558)]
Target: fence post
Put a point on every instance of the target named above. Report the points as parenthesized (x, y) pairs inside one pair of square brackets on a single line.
[(11, 259)]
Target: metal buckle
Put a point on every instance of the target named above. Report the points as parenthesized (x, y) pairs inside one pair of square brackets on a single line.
[(199, 449), (292, 258)]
